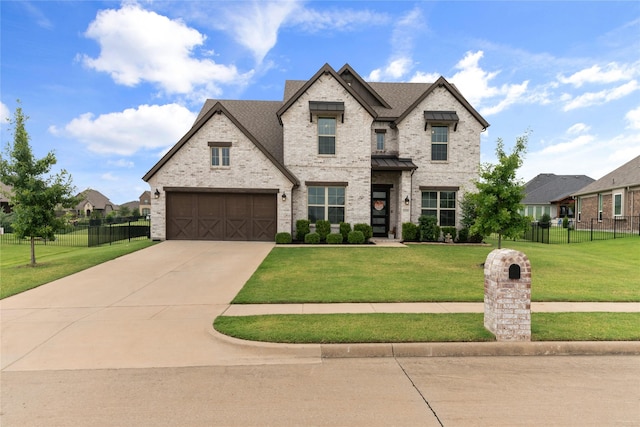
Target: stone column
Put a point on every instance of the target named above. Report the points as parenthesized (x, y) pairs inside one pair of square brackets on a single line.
[(507, 295)]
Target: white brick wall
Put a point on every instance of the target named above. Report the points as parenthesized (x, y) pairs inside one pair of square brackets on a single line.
[(190, 167), (352, 161)]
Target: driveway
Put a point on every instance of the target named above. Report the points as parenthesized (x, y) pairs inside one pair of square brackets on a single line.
[(152, 308)]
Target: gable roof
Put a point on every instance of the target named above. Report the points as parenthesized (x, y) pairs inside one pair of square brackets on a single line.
[(96, 199), (547, 188), (626, 175), (257, 120), (325, 70)]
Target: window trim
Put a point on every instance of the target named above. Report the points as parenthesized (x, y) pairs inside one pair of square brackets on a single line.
[(446, 143), (621, 204), (326, 206), (335, 138), (222, 155), (438, 208)]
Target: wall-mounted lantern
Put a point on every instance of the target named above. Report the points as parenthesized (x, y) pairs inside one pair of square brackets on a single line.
[(284, 196), (406, 200), (156, 194)]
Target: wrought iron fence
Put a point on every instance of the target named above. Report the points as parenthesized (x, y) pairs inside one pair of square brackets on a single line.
[(85, 235), (583, 231)]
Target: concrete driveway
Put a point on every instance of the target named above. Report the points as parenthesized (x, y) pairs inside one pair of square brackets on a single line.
[(152, 308)]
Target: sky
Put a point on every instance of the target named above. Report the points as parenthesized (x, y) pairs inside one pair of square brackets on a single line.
[(110, 86)]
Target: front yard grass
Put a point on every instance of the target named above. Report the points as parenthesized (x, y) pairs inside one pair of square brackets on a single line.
[(395, 328), (591, 271), (53, 262)]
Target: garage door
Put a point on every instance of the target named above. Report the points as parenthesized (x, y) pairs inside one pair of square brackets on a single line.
[(221, 216)]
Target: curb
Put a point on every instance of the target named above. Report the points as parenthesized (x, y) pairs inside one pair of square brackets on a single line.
[(442, 349)]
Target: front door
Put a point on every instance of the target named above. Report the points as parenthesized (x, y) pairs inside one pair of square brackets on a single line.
[(380, 210)]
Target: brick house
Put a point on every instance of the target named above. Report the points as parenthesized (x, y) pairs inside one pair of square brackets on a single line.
[(336, 148), (614, 196), (550, 194)]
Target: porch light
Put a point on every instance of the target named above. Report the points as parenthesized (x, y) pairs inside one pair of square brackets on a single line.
[(284, 196), (156, 194), (406, 200)]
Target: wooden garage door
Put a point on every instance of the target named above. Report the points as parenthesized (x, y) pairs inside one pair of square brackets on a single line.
[(221, 216)]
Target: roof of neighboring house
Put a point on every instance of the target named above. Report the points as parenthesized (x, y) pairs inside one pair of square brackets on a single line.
[(548, 187), (4, 190), (626, 175), (96, 199), (260, 120), (132, 205)]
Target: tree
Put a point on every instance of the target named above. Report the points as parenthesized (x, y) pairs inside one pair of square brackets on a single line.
[(500, 193), (124, 211), (35, 194)]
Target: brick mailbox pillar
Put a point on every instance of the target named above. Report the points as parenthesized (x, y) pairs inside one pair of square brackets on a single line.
[(507, 295)]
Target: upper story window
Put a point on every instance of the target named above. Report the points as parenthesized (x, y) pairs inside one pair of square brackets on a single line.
[(380, 134), (599, 207), (326, 135), (220, 154), (439, 143)]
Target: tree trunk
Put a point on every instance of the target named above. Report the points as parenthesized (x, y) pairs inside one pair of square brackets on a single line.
[(33, 251), (499, 241)]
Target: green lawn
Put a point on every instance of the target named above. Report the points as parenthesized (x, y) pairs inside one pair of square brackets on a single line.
[(591, 271), (459, 327), (53, 262)]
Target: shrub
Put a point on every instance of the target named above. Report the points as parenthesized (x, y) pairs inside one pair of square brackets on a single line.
[(565, 222), (334, 238), (356, 237), (323, 228), (345, 229), (302, 229), (313, 238), (429, 230), (463, 235), (449, 230), (366, 229), (283, 238), (409, 232)]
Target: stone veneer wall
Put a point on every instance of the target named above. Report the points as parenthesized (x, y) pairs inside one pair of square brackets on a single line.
[(507, 302)]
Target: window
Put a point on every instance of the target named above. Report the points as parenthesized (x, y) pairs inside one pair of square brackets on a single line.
[(220, 156), (579, 208), (379, 140), (617, 204), (439, 140), (326, 135), (599, 207), (326, 203), (442, 205)]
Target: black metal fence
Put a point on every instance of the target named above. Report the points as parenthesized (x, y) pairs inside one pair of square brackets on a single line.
[(84, 235), (583, 231)]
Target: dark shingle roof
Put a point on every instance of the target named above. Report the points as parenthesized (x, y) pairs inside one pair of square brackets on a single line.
[(547, 187), (96, 198), (625, 176)]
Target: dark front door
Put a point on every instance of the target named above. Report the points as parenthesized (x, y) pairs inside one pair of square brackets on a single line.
[(380, 210)]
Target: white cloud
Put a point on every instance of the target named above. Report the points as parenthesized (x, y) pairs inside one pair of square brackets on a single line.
[(147, 127), (420, 77), (108, 176), (596, 98), (137, 45), (512, 94), (633, 118), (313, 21), (578, 128), (5, 115), (612, 72), (402, 40), (121, 163), (574, 144)]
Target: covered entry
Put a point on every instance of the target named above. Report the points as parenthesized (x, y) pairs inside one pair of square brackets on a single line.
[(193, 215)]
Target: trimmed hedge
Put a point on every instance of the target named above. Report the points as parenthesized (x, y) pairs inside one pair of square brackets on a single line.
[(356, 237), (366, 229), (429, 230), (449, 230), (345, 229), (409, 232), (323, 228), (312, 238), (334, 238), (302, 229), (283, 238)]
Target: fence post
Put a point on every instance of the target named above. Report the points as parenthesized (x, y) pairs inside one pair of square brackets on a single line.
[(591, 230), (568, 234), (614, 226)]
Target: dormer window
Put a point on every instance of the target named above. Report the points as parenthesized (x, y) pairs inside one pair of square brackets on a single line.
[(440, 122), (380, 134), (326, 135), (220, 154)]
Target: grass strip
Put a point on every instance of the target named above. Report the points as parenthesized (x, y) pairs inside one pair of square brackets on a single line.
[(54, 262), (427, 327)]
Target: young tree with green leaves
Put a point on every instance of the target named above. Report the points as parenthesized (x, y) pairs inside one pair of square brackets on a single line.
[(35, 194), (500, 193)]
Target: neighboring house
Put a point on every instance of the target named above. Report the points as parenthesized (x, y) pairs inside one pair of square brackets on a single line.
[(134, 207), (5, 191), (615, 195), (94, 201), (551, 194), (335, 148), (144, 204)]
